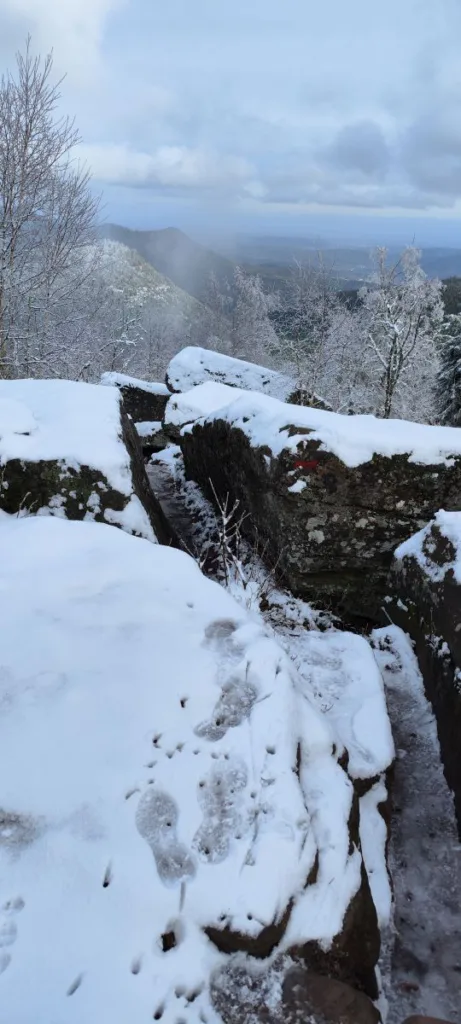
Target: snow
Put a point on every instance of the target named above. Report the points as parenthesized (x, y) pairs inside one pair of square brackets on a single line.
[(337, 671), (200, 401), (424, 849), (120, 380), (337, 674), (353, 439), (74, 423), (373, 838), (149, 732), (297, 487), (194, 365), (147, 427), (419, 546)]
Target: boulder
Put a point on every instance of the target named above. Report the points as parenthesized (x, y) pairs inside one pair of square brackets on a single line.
[(143, 400), (305, 994), (152, 437), (301, 396), (426, 589), (332, 495), (187, 407), (170, 792), (418, 1019), (194, 365), (287, 994), (69, 449)]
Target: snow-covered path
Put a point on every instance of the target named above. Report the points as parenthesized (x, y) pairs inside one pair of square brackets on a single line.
[(425, 854)]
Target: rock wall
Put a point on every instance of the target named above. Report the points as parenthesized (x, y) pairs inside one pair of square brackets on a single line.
[(193, 365), (142, 399), (329, 525), (70, 450), (426, 584)]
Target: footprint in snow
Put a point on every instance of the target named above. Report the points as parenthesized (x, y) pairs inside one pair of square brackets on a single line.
[(156, 821), (8, 930), (220, 797)]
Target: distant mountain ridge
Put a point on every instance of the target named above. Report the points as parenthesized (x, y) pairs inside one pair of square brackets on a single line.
[(278, 253), (173, 254), (189, 264), (126, 270)]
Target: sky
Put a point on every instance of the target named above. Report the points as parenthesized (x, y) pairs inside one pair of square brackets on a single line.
[(265, 116)]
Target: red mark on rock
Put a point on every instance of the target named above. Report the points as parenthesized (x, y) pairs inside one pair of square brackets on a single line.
[(307, 464)]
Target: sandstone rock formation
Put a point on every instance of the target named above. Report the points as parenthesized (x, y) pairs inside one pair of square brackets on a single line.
[(187, 407), (143, 400), (287, 994), (69, 449), (194, 365), (152, 437), (426, 587), (418, 1019), (332, 495)]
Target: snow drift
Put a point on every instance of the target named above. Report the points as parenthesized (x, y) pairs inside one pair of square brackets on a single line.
[(169, 788)]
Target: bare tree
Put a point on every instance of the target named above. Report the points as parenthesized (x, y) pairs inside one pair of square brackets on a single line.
[(47, 215), (403, 321), (380, 356)]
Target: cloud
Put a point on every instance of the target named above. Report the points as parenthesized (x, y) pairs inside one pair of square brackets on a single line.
[(73, 29), (171, 167), (431, 152), (332, 105), (362, 148)]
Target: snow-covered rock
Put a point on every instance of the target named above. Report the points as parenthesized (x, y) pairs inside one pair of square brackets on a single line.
[(194, 365), (68, 449), (152, 436), (291, 996), (426, 589), (143, 400), (333, 495), (201, 401), (169, 790)]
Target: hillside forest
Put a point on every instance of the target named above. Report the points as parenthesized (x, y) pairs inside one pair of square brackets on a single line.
[(78, 298)]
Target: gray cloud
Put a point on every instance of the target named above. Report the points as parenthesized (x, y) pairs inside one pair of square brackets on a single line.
[(361, 148), (431, 153), (298, 105)]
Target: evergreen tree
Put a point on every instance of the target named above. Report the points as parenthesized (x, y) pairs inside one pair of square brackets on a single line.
[(448, 385)]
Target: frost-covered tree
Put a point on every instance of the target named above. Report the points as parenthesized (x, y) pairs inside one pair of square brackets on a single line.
[(252, 336), (46, 215), (448, 384), (316, 331), (240, 325), (402, 316)]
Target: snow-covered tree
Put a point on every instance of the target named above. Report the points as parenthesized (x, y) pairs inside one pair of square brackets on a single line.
[(448, 384), (47, 215), (315, 334), (403, 314), (252, 336)]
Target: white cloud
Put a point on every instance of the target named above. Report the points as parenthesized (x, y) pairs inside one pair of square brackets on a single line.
[(73, 29), (354, 105), (176, 167)]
